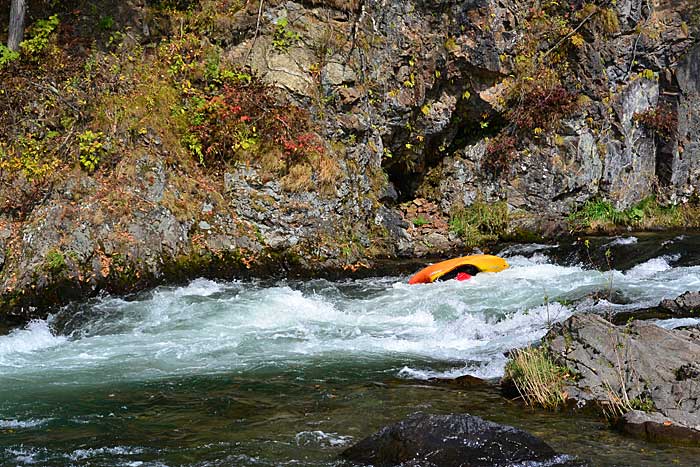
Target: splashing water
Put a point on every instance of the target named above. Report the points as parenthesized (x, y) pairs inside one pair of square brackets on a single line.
[(361, 330)]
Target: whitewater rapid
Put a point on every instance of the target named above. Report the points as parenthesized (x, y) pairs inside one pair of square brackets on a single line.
[(444, 329)]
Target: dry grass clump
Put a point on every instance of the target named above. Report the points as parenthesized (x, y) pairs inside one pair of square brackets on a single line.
[(538, 379)]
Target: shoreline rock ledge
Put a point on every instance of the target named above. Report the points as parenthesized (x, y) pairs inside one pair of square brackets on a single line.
[(645, 377), (454, 440)]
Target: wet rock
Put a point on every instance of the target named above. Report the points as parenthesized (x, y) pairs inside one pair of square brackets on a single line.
[(465, 381), (637, 366), (686, 305), (658, 428), (450, 440)]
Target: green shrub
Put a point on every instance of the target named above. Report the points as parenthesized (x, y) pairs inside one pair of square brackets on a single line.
[(420, 221), (91, 149), (55, 261), (596, 211), (29, 156), (647, 213), (7, 56), (283, 38), (40, 36)]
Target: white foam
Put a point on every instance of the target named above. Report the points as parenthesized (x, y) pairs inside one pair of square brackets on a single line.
[(322, 439), (19, 424), (618, 241), (35, 336), (82, 454), (25, 456), (651, 267), (674, 323)]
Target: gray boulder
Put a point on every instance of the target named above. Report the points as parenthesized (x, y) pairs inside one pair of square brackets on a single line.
[(637, 366)]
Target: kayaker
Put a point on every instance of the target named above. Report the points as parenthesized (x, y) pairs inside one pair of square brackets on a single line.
[(463, 276)]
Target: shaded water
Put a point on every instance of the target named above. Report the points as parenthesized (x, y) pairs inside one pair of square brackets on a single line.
[(290, 373)]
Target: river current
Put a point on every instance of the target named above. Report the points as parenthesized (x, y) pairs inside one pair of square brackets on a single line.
[(291, 372)]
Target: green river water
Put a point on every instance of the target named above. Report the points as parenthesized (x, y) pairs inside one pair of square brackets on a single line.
[(292, 372)]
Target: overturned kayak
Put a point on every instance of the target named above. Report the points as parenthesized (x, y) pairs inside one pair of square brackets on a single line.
[(451, 268)]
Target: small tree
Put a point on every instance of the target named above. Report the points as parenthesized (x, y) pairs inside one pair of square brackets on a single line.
[(18, 11)]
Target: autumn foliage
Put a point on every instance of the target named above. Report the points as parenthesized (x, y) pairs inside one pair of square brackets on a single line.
[(245, 119)]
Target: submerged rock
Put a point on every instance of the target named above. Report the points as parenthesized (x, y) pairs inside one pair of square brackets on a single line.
[(452, 440), (624, 369)]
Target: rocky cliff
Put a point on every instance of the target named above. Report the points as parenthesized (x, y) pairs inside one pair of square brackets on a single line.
[(418, 110)]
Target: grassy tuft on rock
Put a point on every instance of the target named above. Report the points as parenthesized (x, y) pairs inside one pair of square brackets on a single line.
[(538, 379), (480, 223)]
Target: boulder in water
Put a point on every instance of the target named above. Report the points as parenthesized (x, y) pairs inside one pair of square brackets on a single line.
[(452, 440), (686, 305)]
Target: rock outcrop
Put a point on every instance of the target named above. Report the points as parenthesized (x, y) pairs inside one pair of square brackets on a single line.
[(649, 374), (408, 98), (450, 441)]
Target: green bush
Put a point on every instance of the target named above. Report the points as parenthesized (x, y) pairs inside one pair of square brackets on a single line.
[(283, 38), (647, 212), (7, 56), (420, 221), (55, 261), (91, 149), (40, 36)]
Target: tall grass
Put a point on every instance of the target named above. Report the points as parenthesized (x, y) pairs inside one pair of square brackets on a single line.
[(538, 379)]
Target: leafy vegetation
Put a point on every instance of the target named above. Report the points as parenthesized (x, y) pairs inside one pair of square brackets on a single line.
[(648, 212), (420, 221), (283, 38), (662, 121), (40, 37), (244, 119), (55, 261), (91, 149), (7, 56)]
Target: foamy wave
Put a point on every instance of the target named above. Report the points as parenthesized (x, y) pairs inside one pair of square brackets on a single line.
[(619, 241), (484, 370), (81, 454), (17, 424), (200, 287), (35, 336), (320, 438), (651, 267)]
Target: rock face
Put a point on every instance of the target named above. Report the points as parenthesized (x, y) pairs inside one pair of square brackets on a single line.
[(407, 97), (450, 441), (638, 366)]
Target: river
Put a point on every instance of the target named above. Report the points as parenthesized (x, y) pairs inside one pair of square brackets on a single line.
[(263, 373)]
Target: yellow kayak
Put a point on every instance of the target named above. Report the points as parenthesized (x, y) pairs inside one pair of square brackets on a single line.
[(470, 264)]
